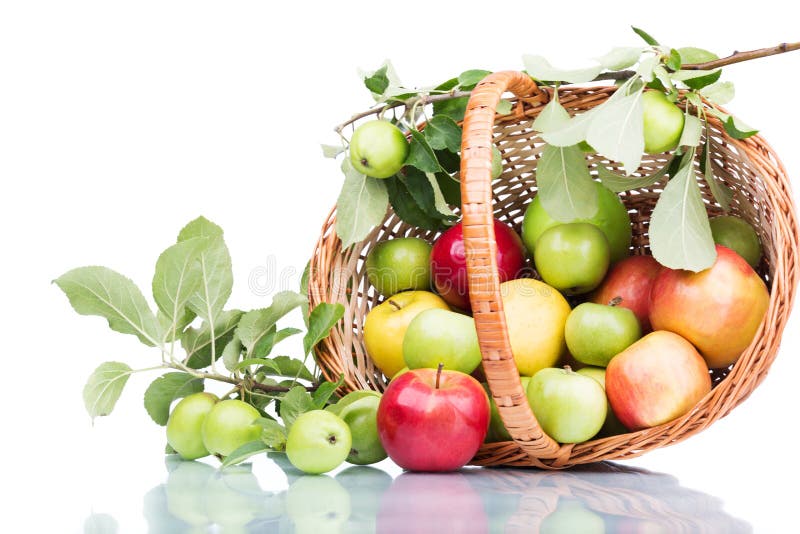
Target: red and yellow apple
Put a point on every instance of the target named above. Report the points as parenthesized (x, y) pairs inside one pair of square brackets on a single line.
[(630, 280)]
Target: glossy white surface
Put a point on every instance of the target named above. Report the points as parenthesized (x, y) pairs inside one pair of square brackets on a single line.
[(121, 122)]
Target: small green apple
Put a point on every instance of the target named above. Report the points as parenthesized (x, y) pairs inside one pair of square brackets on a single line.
[(350, 398), (663, 123), (737, 234), (442, 336), (399, 264), (612, 426), (570, 408), (378, 149), (318, 442), (184, 427), (361, 418), (572, 257), (229, 425), (595, 333)]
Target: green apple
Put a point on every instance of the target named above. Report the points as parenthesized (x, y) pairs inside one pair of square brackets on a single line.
[(573, 257), (186, 422), (229, 425), (350, 398), (399, 264), (570, 408), (663, 122), (612, 426), (361, 418), (595, 333), (386, 324), (573, 517), (611, 217), (498, 430), (378, 149), (317, 504), (737, 234), (442, 336), (691, 54), (318, 442), (497, 163)]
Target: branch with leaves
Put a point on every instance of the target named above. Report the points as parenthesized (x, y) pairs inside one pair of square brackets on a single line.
[(425, 192), (192, 283)]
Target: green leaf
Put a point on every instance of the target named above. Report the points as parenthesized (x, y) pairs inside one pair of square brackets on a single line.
[(565, 186), (248, 450), (442, 132), (361, 205), (169, 450), (664, 79), (680, 235), (165, 389), (573, 132), (450, 161), (693, 55), (173, 331), (540, 69), (322, 319), (288, 367), (104, 387), (424, 188), (177, 277), (720, 93), (722, 194), (108, 294), (331, 151), (683, 75), (617, 183), (232, 353), (503, 107), (324, 392), (644, 35), (738, 129), (267, 363), (692, 130), (255, 325), (378, 81), (450, 188), (407, 208), (694, 99), (420, 153), (197, 341), (552, 118), (439, 201), (620, 58), (455, 108), (296, 402), (470, 78), (674, 60), (273, 434), (617, 131), (647, 67)]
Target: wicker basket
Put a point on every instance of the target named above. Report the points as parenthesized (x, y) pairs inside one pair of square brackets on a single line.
[(761, 196)]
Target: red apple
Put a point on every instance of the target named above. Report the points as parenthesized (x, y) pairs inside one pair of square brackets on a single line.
[(425, 502), (449, 262), (657, 379), (719, 310), (630, 279), (433, 419)]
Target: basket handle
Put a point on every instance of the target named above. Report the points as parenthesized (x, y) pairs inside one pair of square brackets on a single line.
[(482, 274)]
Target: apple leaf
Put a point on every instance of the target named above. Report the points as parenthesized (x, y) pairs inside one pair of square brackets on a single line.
[(323, 317), (255, 325), (470, 78), (621, 57), (722, 194), (273, 434), (683, 75), (105, 385), (177, 277), (325, 391), (331, 151), (420, 153), (101, 291), (617, 131), (165, 389), (738, 129), (552, 118), (644, 35), (407, 208), (680, 235), (288, 367), (442, 132), (692, 131), (232, 352), (572, 132), (361, 205), (565, 185), (296, 402), (503, 107), (540, 69), (720, 93), (197, 341), (242, 453), (617, 183)]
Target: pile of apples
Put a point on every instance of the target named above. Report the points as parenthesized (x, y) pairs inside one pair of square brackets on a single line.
[(605, 343)]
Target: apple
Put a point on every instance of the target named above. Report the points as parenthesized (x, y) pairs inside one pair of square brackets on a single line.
[(449, 262), (570, 408), (630, 280), (433, 419), (737, 235), (611, 218), (317, 504), (399, 264), (385, 326), (184, 427), (427, 502), (361, 417), (718, 310), (611, 426), (318, 441), (378, 149), (350, 398), (497, 429), (657, 379), (442, 336), (535, 316), (595, 333), (229, 425), (663, 122), (573, 257), (571, 515)]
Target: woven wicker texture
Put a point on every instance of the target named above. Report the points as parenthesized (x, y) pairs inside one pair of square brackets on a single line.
[(748, 167)]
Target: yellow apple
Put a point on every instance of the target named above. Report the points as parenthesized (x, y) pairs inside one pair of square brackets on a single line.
[(386, 325), (535, 317)]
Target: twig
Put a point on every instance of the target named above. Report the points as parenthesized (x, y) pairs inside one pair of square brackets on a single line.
[(738, 57)]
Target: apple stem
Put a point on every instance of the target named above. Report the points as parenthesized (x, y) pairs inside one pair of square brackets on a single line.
[(394, 305), (568, 369), (616, 301), (439, 373)]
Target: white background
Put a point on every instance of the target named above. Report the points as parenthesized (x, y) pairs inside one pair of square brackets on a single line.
[(122, 121)]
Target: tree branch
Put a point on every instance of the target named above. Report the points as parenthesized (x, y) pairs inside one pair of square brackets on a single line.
[(738, 57)]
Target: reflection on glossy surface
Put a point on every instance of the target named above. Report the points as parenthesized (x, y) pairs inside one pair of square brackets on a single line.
[(600, 498)]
